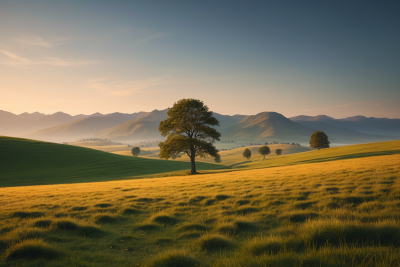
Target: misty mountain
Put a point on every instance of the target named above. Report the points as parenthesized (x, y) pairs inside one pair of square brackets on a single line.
[(26, 122), (81, 128), (145, 127), (8, 116), (370, 126), (267, 126)]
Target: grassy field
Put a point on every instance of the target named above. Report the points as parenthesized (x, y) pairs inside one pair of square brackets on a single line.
[(30, 162), (344, 211), (228, 157)]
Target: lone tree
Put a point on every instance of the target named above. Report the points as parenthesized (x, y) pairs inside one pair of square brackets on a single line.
[(217, 159), (247, 153), (264, 150), (319, 140), (278, 151), (189, 130), (135, 151)]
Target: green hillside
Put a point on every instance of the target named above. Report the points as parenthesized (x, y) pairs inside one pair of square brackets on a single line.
[(30, 162), (329, 154)]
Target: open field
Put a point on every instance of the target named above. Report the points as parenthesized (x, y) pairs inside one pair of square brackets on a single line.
[(30, 162), (228, 157), (331, 154), (340, 212)]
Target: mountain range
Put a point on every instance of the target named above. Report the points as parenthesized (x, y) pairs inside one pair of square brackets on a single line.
[(143, 126)]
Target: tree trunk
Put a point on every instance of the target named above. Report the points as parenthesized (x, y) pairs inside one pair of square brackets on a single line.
[(192, 160)]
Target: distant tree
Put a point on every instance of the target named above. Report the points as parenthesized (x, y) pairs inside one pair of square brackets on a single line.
[(247, 153), (278, 151), (217, 159), (189, 130), (135, 151), (264, 150), (319, 140), (266, 143)]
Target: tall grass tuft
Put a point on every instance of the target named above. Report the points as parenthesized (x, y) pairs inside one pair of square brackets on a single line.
[(31, 249), (214, 242), (173, 258)]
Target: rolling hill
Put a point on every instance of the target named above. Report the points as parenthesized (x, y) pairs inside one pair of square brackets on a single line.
[(30, 162), (82, 128), (344, 211)]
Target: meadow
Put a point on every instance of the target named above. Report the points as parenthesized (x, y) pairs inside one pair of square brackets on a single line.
[(334, 207), (228, 157), (30, 162)]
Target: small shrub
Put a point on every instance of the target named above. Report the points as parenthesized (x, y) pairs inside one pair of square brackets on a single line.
[(31, 249)]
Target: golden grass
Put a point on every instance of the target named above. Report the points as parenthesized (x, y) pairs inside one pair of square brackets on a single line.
[(310, 214)]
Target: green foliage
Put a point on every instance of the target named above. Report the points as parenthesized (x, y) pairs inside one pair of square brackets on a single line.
[(264, 150), (135, 151), (247, 153), (217, 159), (319, 140), (278, 151), (188, 130)]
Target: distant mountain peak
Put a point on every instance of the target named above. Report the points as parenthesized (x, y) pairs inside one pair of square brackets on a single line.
[(312, 118)]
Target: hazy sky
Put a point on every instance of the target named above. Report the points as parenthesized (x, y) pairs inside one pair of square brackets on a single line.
[(339, 58)]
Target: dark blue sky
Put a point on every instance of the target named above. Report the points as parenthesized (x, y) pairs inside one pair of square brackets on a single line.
[(339, 58)]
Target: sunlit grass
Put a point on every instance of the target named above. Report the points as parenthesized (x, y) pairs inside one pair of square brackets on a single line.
[(343, 212)]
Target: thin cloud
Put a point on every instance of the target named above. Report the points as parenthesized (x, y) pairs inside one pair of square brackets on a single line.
[(37, 41), (14, 60), (125, 88)]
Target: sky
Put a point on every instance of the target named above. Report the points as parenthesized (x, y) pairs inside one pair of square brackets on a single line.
[(335, 58)]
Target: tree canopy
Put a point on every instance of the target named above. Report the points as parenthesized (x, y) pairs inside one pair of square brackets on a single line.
[(189, 130), (319, 140), (135, 151), (264, 150), (278, 151), (247, 153)]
